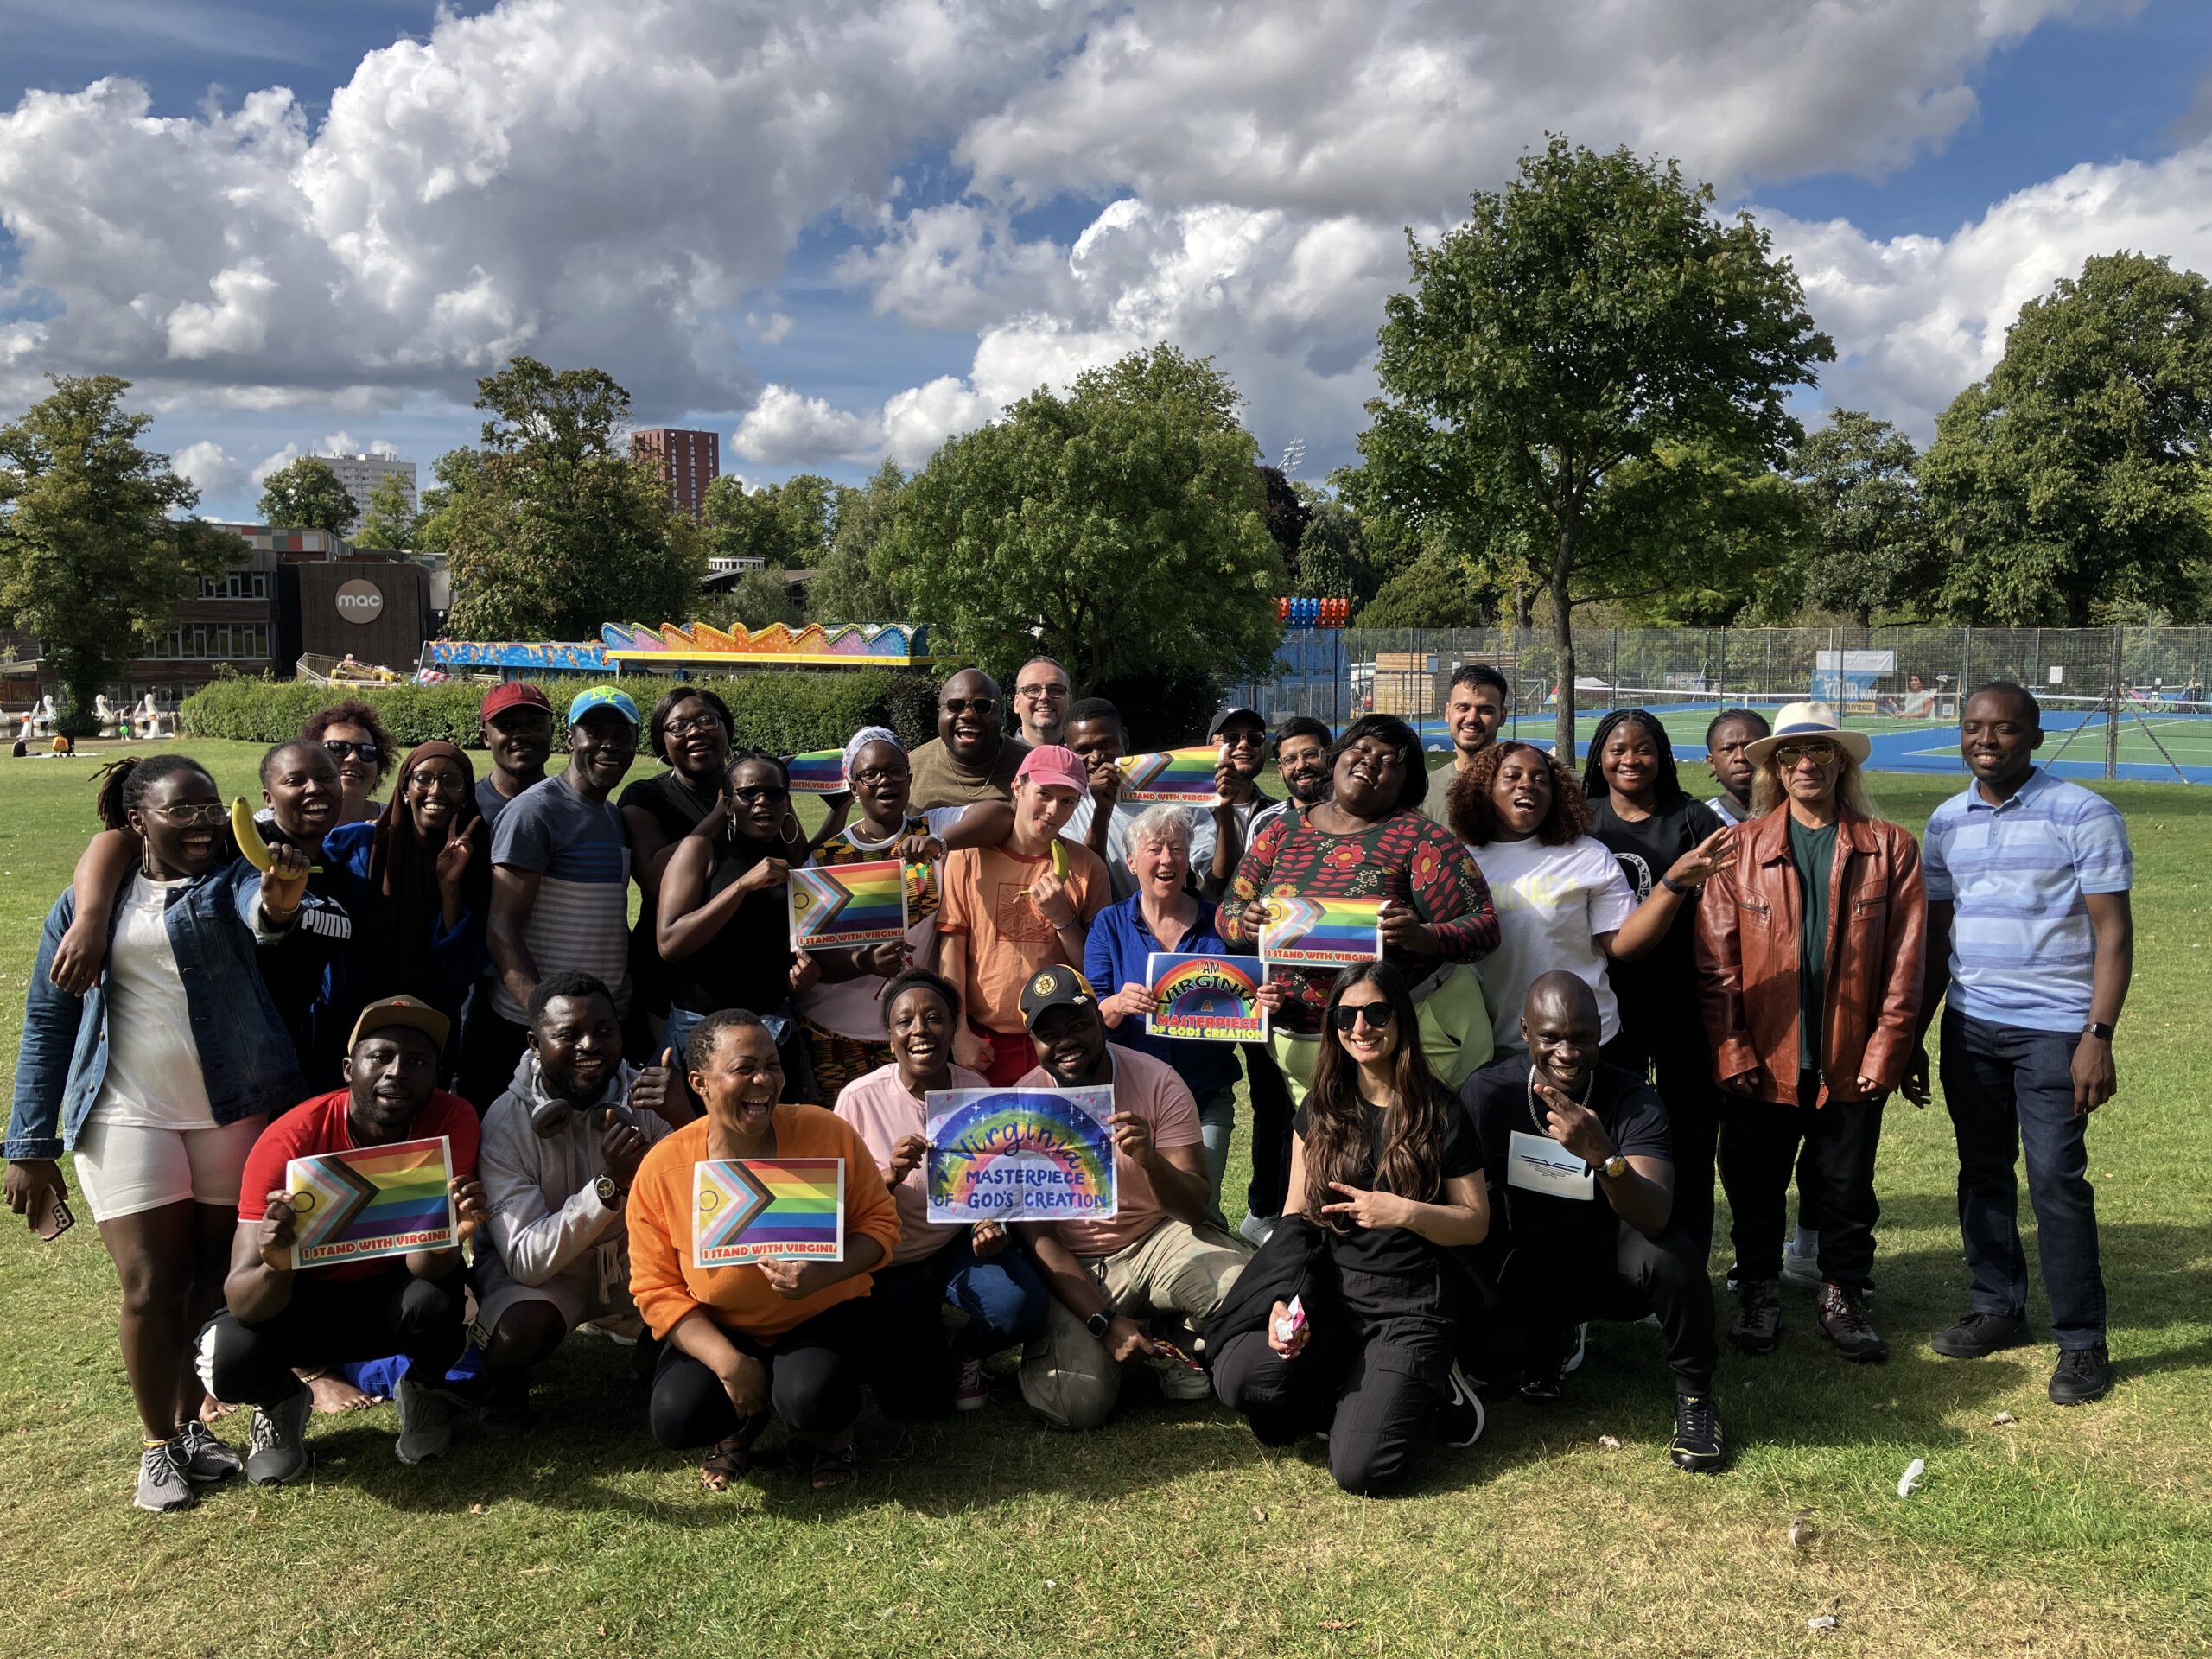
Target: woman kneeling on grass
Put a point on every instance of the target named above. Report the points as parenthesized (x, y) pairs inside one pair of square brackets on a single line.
[(736, 1340), (159, 1079), (1346, 1322)]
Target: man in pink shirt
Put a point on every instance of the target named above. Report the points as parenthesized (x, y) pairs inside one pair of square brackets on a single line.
[(1156, 1265)]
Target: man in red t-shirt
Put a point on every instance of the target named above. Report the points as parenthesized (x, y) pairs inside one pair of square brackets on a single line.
[(278, 1318)]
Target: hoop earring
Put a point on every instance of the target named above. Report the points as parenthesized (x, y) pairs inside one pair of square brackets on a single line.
[(797, 831)]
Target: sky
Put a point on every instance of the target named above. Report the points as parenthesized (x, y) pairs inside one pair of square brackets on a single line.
[(839, 231)]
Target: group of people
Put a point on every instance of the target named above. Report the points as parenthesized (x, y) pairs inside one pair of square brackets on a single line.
[(1590, 997)]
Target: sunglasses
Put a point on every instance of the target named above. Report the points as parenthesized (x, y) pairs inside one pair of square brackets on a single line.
[(338, 748), (753, 794), (971, 705), (876, 776), (191, 817), (1345, 1015), (1820, 754)]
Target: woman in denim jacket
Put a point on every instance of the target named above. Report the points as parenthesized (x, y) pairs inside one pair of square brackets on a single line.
[(159, 1079)]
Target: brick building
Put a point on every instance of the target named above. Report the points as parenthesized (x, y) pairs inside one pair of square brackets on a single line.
[(688, 461)]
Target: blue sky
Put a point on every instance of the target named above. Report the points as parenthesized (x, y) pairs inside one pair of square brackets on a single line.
[(325, 220)]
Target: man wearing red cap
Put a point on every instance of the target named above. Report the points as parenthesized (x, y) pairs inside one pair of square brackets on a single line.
[(518, 731)]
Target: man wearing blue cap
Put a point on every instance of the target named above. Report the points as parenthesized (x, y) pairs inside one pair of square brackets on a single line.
[(560, 901)]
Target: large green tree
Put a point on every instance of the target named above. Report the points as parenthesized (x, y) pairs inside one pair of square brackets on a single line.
[(391, 519), (92, 552), (1118, 529), (846, 588), (551, 528), (1866, 547), (306, 494), (1592, 353), (2073, 477)]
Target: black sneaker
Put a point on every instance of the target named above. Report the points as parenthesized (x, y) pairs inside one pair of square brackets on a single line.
[(1461, 1418), (1979, 1335), (2083, 1375), (1843, 1321), (1758, 1329), (203, 1459), (1552, 1355), (1696, 1447)]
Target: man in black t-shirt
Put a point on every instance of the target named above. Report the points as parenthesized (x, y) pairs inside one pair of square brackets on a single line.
[(1581, 1195)]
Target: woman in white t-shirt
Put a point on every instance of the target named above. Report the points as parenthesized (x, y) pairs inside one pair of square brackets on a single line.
[(1562, 901)]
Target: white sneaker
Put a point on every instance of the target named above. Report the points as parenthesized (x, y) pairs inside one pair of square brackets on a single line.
[(1802, 1266), (1460, 1420), (426, 1419), (162, 1485), (1256, 1230), (971, 1393)]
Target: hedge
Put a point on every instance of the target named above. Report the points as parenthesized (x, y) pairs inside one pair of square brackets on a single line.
[(783, 713)]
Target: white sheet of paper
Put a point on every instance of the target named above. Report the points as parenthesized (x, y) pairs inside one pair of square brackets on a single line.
[(1536, 1163)]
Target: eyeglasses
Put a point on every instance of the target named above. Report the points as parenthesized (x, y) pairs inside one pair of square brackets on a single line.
[(753, 794), (1345, 1015), (1033, 692), (695, 723), (876, 776), (432, 783), (971, 705), (338, 748), (1820, 754), (191, 817)]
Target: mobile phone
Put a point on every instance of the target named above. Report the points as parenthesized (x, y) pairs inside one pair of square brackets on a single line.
[(53, 1217)]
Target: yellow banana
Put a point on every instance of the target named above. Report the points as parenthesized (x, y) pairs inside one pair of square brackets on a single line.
[(1059, 859), (254, 849)]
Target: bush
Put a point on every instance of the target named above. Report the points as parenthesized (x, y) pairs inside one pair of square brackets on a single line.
[(783, 713)]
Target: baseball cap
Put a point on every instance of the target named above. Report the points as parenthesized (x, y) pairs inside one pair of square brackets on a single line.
[(1054, 987), (602, 696), (1228, 714), (514, 694), (1055, 763), (400, 1011)]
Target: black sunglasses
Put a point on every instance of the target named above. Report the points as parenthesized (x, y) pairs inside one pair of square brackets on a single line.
[(1345, 1015), (971, 705), (751, 794), (338, 748)]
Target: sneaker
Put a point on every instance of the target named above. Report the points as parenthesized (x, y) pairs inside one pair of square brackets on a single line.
[(1758, 1329), (162, 1485), (426, 1419), (508, 1411), (1843, 1321), (276, 1445), (1461, 1418), (1979, 1335), (1179, 1382), (204, 1458), (1801, 1265), (1256, 1230), (1552, 1354), (971, 1393), (1696, 1447), (2083, 1375)]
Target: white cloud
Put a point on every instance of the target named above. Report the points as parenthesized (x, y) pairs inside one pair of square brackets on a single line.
[(218, 477), (771, 330), (282, 458), (787, 427)]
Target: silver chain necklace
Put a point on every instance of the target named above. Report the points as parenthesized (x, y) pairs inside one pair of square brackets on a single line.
[(1536, 1116)]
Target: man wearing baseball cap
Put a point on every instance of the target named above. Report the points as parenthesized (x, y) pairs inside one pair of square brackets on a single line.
[(1154, 1273), (278, 1318), (518, 720), (1009, 912)]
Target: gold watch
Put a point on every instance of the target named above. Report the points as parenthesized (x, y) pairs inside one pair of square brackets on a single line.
[(1614, 1168)]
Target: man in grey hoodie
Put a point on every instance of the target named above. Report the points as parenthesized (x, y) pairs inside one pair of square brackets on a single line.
[(559, 1152)]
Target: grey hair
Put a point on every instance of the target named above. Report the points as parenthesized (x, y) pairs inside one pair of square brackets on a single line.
[(1159, 822)]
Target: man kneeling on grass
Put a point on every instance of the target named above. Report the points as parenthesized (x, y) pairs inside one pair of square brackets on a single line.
[(562, 1148), (1581, 1194), (278, 1318)]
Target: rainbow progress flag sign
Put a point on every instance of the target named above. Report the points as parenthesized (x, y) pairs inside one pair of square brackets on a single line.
[(756, 1209), (372, 1201), (1322, 933), (1206, 999), (834, 906), (1019, 1154), (818, 771), (1180, 777)]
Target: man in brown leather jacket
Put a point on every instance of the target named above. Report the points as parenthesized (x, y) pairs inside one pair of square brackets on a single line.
[(1809, 954)]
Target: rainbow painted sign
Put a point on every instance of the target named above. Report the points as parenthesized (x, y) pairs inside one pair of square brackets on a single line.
[(1019, 1154), (760, 1209), (837, 907), (1180, 777), (1321, 932), (818, 771), (1206, 999), (372, 1201)]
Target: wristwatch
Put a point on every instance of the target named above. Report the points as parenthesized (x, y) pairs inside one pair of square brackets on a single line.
[(2097, 1028), (1614, 1168), (1099, 1323), (1680, 889), (609, 1194)]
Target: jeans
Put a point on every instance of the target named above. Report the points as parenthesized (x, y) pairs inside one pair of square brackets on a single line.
[(1832, 1147), (1216, 1123), (1271, 1116), (2007, 1088), (915, 1371), (329, 1322)]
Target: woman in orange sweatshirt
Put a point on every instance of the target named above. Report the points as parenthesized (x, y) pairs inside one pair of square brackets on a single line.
[(736, 1340)]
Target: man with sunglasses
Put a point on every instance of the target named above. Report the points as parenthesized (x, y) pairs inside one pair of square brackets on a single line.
[(971, 758), (1042, 693)]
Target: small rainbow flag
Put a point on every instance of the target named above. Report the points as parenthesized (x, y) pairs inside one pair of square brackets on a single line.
[(372, 1201), (818, 771), (760, 1209), (1206, 999), (1321, 932), (1019, 1154), (1180, 777), (835, 907)]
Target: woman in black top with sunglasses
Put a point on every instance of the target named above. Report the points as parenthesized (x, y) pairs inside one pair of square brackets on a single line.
[(724, 927), (357, 741)]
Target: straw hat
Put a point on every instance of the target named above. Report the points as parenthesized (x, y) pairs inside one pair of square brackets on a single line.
[(1800, 720)]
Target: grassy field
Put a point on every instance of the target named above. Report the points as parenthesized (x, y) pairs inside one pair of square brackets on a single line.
[(2078, 1533)]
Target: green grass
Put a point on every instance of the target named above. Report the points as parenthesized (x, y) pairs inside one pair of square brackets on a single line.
[(2075, 1533)]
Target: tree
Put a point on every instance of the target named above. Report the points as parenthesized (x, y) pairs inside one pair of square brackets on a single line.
[(2072, 478), (1591, 351), (845, 587), (1435, 591), (1118, 529), (92, 560), (305, 495), (1332, 562), (391, 519), (788, 526), (755, 599), (550, 529), (1865, 548), (1284, 508)]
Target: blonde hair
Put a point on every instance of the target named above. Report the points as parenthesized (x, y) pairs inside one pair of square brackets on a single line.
[(1767, 791), (1161, 822)]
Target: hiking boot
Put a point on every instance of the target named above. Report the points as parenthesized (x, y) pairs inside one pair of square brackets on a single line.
[(1461, 1418), (1843, 1321), (971, 1393), (1758, 1329), (1696, 1447), (203, 1459), (426, 1419), (276, 1444), (162, 1485), (2083, 1375), (1979, 1335)]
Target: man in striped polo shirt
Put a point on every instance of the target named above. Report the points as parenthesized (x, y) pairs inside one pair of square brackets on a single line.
[(2029, 934)]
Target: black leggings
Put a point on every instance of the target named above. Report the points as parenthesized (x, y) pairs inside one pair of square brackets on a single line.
[(814, 1372), (1271, 1116), (332, 1321)]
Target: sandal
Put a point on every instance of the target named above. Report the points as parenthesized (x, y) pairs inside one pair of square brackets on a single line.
[(733, 1456), (835, 1466)]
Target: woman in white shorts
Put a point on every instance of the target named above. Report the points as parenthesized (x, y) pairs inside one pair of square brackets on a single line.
[(159, 1079)]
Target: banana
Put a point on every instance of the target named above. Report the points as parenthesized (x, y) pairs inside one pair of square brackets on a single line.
[(248, 836), (1059, 859)]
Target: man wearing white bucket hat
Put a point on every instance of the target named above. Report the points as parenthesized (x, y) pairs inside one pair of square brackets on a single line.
[(1809, 949)]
